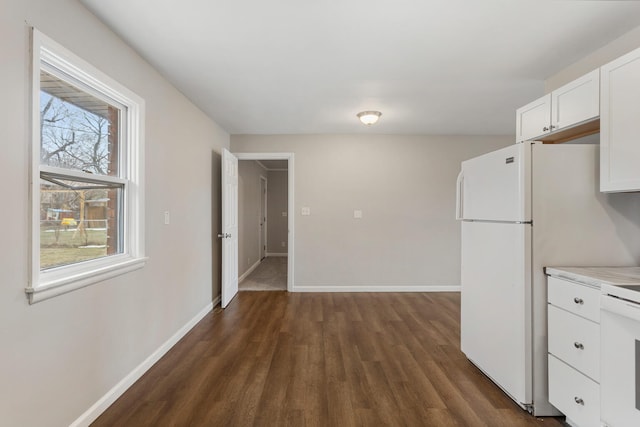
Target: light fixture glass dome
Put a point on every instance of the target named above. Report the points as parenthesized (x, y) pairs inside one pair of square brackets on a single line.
[(369, 117)]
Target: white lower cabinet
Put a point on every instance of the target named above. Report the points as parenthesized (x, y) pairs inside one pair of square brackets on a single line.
[(573, 393), (574, 351)]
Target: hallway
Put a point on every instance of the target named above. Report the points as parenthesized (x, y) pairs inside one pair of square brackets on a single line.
[(270, 275)]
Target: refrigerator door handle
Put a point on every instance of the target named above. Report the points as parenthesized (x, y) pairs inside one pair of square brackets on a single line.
[(459, 193)]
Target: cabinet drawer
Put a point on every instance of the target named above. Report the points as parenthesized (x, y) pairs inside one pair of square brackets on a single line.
[(579, 299), (575, 340), (577, 396)]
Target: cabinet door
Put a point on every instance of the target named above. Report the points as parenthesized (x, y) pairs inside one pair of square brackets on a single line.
[(534, 119), (576, 102), (620, 124)]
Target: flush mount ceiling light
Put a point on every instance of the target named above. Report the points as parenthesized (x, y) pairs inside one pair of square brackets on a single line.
[(369, 117)]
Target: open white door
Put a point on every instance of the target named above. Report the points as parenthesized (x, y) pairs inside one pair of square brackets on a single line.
[(229, 233)]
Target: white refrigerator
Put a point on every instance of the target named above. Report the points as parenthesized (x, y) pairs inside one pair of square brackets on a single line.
[(522, 208)]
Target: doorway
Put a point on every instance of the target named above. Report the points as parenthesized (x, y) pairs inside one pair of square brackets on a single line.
[(272, 268), (262, 242)]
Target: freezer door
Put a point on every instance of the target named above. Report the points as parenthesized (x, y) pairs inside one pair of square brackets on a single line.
[(496, 304), (496, 186)]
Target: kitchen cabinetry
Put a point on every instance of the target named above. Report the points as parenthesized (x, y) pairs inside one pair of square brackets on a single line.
[(620, 124), (593, 388), (566, 113), (534, 119), (574, 350)]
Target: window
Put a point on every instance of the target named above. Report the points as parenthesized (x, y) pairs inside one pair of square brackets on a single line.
[(87, 192)]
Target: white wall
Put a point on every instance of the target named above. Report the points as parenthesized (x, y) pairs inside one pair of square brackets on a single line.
[(249, 173), (405, 186), (596, 59), (277, 225), (58, 357)]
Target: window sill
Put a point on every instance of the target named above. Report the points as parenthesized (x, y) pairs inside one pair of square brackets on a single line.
[(52, 288)]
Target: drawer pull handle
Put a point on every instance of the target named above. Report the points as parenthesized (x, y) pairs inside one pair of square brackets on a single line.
[(578, 300), (578, 345), (579, 401)]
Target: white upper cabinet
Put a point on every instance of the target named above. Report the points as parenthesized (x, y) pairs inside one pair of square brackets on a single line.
[(620, 124), (565, 113), (576, 102), (534, 119)]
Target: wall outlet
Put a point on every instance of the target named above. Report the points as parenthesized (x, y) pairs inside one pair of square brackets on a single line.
[(305, 211), (283, 244), (357, 214), (284, 214)]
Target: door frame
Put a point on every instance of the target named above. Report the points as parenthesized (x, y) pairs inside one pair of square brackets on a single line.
[(290, 205), (262, 239)]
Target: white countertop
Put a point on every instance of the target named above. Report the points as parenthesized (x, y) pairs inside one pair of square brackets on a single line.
[(596, 276)]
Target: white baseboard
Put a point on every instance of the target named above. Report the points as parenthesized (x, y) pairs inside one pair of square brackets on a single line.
[(277, 254), (377, 288), (249, 271), (118, 390)]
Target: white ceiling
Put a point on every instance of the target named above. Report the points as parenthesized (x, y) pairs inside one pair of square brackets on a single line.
[(299, 66)]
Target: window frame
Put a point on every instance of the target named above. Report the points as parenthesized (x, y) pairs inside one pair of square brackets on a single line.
[(49, 55)]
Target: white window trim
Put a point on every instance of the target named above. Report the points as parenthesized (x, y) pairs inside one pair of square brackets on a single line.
[(60, 280)]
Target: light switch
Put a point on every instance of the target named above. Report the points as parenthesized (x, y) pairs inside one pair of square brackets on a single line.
[(167, 218), (357, 214), (305, 211)]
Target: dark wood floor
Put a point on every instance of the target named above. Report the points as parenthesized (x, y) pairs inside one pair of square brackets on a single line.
[(278, 359)]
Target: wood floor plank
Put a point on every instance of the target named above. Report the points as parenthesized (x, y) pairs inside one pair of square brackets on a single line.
[(315, 360)]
